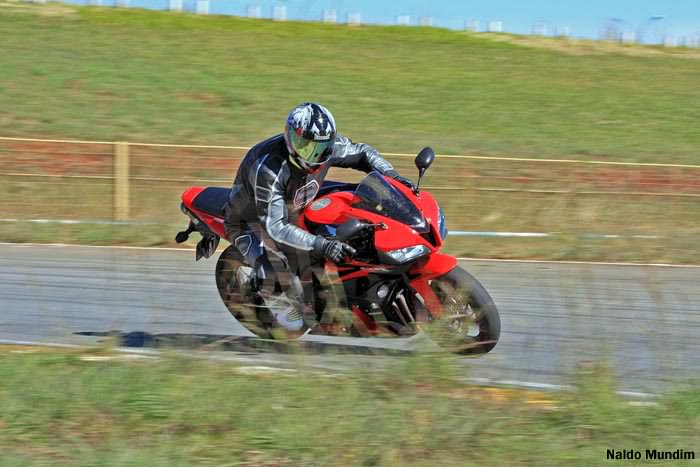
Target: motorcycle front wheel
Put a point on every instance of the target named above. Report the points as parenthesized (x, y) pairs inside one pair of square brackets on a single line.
[(470, 324)]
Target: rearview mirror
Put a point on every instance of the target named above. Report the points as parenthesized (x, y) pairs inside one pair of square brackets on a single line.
[(425, 159), (349, 229)]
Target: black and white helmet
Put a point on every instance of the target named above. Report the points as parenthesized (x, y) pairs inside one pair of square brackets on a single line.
[(310, 135)]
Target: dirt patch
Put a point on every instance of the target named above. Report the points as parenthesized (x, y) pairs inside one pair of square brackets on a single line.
[(44, 158), (158, 162), (52, 9), (207, 98), (589, 47)]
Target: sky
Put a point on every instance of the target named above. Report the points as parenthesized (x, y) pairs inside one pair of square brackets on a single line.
[(584, 18)]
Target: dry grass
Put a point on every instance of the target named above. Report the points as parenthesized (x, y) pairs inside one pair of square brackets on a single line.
[(111, 74), (66, 409), (572, 46)]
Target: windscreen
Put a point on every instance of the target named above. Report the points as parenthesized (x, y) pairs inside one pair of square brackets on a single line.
[(379, 196)]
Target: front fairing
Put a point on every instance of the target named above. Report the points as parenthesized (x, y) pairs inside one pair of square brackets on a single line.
[(329, 211), (428, 206), (377, 195)]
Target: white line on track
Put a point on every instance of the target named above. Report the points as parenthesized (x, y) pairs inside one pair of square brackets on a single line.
[(229, 356), (592, 263), (491, 260), (458, 233), (68, 245), (243, 359)]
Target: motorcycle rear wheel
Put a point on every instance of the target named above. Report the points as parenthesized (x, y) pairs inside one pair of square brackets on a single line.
[(470, 324), (238, 296)]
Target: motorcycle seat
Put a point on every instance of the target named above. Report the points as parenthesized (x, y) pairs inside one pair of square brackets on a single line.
[(212, 200)]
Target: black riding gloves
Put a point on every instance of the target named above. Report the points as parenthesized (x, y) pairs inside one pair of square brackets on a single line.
[(403, 180), (332, 249)]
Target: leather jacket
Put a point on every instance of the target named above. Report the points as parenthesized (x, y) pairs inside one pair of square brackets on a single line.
[(269, 190)]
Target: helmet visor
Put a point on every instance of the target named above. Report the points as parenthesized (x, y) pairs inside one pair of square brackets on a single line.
[(313, 152)]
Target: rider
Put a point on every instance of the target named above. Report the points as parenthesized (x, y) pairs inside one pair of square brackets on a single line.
[(277, 178)]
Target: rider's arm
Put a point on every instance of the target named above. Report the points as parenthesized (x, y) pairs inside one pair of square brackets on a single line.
[(269, 182), (362, 157)]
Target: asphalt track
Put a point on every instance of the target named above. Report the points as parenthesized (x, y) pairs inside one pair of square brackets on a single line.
[(645, 320)]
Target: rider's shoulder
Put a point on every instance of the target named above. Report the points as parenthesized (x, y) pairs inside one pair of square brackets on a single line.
[(271, 152), (273, 144), (342, 139)]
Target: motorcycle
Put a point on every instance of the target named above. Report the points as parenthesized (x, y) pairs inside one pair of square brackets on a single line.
[(399, 284)]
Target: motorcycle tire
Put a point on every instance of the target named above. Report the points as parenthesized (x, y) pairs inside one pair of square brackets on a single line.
[(239, 298), (464, 299)]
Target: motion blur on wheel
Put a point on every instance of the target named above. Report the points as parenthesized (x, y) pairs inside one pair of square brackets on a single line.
[(398, 285)]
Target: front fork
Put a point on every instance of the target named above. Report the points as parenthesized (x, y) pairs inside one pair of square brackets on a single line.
[(426, 269), (426, 305), (427, 296)]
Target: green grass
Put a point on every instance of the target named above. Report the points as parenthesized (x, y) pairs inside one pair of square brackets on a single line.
[(59, 409), (106, 74)]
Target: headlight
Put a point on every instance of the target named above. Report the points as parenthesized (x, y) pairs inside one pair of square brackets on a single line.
[(404, 255), (442, 226)]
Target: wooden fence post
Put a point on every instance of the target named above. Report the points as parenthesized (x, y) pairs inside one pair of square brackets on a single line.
[(121, 181)]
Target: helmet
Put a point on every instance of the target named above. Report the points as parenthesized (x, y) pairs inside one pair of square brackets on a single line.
[(310, 136)]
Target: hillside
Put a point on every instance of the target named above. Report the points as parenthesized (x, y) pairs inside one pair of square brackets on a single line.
[(138, 75)]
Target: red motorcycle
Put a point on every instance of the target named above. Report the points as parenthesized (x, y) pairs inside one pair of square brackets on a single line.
[(398, 284)]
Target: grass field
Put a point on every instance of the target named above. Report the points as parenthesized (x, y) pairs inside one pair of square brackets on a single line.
[(577, 203), (105, 74), (83, 409)]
